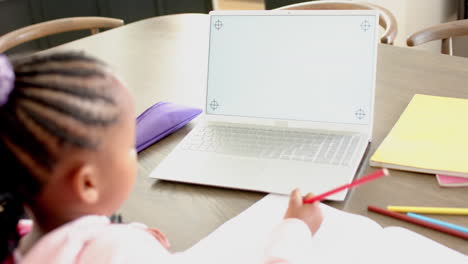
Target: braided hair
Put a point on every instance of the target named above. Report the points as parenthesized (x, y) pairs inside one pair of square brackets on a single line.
[(58, 102)]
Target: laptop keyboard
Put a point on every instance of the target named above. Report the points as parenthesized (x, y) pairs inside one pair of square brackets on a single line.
[(317, 147)]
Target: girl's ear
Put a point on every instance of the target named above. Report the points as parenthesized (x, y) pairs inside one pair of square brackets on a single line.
[(85, 184)]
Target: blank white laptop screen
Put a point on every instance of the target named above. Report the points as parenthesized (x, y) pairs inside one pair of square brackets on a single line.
[(303, 67)]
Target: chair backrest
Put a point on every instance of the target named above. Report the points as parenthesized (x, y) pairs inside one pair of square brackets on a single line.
[(444, 32), (386, 19), (56, 26)]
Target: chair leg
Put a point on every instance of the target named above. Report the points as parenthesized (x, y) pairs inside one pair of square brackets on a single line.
[(447, 46), (94, 31)]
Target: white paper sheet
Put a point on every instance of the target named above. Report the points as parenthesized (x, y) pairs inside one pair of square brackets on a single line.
[(342, 237)]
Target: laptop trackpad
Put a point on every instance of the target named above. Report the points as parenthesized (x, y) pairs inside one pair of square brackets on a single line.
[(217, 170)]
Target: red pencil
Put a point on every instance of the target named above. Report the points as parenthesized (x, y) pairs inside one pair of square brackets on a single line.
[(418, 222), (367, 178)]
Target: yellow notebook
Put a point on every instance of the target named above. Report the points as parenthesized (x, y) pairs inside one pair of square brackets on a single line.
[(431, 136)]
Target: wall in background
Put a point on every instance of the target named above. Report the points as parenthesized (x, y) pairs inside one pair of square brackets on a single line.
[(16, 14), (460, 44), (239, 4)]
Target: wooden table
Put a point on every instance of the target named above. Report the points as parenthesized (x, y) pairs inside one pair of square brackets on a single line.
[(165, 59)]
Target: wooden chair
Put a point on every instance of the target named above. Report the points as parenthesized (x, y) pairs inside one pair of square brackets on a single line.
[(444, 32), (387, 20), (56, 26)]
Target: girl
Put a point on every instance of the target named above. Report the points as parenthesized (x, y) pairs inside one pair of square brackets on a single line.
[(60, 117)]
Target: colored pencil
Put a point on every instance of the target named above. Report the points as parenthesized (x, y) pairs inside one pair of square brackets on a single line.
[(367, 178), (438, 222), (415, 221), (428, 210)]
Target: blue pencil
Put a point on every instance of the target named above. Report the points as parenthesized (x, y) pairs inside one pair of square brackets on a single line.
[(439, 222)]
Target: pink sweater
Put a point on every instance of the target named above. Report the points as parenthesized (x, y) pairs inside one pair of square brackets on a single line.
[(93, 239)]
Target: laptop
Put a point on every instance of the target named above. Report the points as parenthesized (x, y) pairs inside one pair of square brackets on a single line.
[(289, 102)]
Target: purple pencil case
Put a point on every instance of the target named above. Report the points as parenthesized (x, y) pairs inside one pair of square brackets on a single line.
[(160, 120)]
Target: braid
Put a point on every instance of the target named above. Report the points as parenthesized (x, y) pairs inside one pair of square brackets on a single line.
[(58, 100)]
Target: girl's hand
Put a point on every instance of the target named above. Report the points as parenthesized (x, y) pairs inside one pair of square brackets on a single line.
[(160, 237), (309, 213)]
